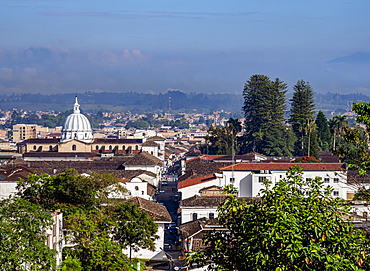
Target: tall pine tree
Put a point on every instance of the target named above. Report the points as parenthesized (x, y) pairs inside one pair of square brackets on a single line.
[(323, 131), (301, 119), (264, 109)]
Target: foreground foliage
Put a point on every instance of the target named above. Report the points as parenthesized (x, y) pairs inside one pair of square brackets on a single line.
[(296, 225), (22, 238), (98, 227)]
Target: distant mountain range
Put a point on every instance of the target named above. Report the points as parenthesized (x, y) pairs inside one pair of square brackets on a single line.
[(174, 101)]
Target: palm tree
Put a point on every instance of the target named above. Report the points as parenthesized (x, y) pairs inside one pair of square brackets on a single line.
[(337, 124), (309, 128)]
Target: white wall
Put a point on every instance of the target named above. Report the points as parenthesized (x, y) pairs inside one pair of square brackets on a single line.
[(192, 190), (146, 253), (187, 212), (7, 189), (249, 184)]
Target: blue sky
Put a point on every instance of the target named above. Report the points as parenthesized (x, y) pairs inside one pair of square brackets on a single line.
[(56, 46)]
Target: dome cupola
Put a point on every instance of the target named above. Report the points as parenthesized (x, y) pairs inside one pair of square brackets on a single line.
[(77, 126)]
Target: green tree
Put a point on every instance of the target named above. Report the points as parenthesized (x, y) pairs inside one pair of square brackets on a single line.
[(223, 140), (295, 225), (355, 151), (301, 116), (67, 190), (94, 221), (94, 249), (323, 131), (134, 228), (337, 126), (23, 238), (264, 109)]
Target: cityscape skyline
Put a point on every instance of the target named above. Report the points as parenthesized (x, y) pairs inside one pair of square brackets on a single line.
[(152, 46)]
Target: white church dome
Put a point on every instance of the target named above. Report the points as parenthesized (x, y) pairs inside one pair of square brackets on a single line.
[(77, 126)]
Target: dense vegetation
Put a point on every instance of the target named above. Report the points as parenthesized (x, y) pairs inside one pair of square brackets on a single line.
[(98, 226), (271, 129), (295, 225), (146, 102)]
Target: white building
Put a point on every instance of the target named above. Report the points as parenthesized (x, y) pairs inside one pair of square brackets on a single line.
[(202, 206), (248, 177)]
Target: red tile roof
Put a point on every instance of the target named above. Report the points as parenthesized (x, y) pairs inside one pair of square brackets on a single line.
[(210, 157), (285, 166), (190, 182)]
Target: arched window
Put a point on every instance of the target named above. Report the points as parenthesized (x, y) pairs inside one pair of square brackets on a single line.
[(123, 147), (195, 216), (136, 188), (50, 148), (74, 147), (211, 215), (97, 147), (110, 147), (34, 147), (136, 147)]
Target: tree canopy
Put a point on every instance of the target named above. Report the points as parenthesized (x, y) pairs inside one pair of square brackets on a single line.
[(295, 225), (22, 236), (98, 227), (264, 109)]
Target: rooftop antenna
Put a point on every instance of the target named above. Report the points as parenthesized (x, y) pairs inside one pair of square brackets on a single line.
[(169, 105)]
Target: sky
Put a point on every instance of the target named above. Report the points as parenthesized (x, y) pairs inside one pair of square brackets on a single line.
[(151, 46)]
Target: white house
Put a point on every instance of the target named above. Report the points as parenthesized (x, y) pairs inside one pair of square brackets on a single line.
[(192, 186), (202, 206), (144, 161), (248, 177)]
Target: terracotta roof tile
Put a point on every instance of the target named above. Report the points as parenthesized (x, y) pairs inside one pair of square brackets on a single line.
[(143, 158), (158, 138), (40, 141), (194, 181), (156, 211), (149, 143), (203, 201), (117, 141), (285, 166)]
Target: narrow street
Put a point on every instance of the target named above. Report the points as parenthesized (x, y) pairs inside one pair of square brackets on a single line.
[(169, 197)]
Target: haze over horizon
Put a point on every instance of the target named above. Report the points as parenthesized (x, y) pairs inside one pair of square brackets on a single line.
[(63, 46)]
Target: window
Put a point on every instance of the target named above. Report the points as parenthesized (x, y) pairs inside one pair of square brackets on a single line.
[(232, 180), (336, 193), (34, 147), (50, 148), (136, 188), (336, 180), (195, 216), (74, 147), (123, 147), (142, 192), (211, 215), (110, 147), (261, 179), (136, 147), (326, 180), (97, 147)]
